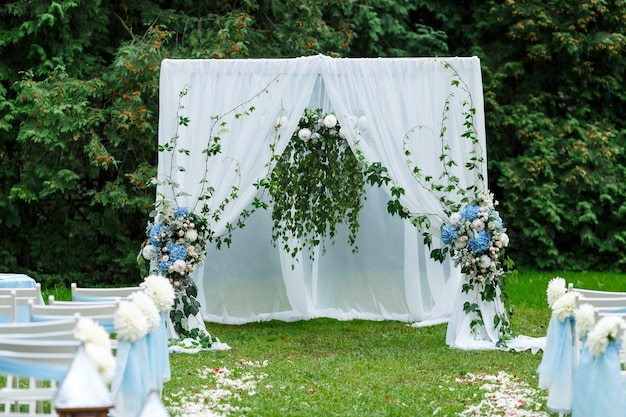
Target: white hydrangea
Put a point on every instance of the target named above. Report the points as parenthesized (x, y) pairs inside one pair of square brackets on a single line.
[(564, 307), (585, 317), (330, 121), (161, 291), (148, 308), (104, 360), (88, 331), (304, 134), (556, 288), (179, 266), (130, 322), (149, 251), (605, 330), (191, 235)]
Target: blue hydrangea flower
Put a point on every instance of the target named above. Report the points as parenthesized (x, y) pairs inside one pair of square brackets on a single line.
[(164, 267), (448, 234), (155, 235), (495, 218), (479, 242), (181, 211), (177, 252), (470, 212)]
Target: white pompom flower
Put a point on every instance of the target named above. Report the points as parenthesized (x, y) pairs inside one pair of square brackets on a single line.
[(130, 322), (148, 308), (585, 317), (149, 251), (330, 121), (556, 288), (161, 291), (304, 134), (179, 266), (191, 235), (564, 307), (88, 331), (103, 359), (604, 331)]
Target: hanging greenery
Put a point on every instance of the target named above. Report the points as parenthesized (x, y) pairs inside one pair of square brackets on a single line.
[(315, 185)]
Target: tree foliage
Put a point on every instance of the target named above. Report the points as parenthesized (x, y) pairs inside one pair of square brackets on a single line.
[(554, 100), (79, 106)]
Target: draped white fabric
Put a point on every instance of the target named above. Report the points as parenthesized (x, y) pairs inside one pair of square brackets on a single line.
[(378, 102)]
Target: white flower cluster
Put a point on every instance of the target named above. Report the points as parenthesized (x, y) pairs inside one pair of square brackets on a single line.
[(585, 317), (97, 344), (556, 288), (318, 122), (607, 329), (161, 291), (135, 317), (562, 303)]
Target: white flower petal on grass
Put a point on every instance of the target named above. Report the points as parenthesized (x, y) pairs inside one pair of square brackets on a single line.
[(556, 288), (161, 291), (148, 308), (130, 322), (88, 331), (564, 307), (585, 317)]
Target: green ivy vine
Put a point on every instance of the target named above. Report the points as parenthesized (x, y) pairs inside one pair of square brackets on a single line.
[(316, 184)]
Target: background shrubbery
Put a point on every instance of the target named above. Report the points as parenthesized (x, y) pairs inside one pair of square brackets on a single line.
[(79, 109)]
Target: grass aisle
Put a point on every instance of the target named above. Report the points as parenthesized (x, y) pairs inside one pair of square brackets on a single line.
[(325, 367)]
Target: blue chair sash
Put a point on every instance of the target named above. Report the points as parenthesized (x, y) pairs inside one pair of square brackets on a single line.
[(132, 381), (598, 389)]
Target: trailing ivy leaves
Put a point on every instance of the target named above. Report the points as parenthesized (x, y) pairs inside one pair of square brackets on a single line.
[(315, 185)]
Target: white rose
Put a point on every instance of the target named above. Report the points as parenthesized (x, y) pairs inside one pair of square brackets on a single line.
[(304, 134), (179, 266), (504, 238), (478, 225), (485, 261), (191, 235), (330, 121), (460, 242), (342, 134), (455, 218), (148, 251)]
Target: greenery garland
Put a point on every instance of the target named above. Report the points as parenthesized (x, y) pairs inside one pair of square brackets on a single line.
[(316, 184)]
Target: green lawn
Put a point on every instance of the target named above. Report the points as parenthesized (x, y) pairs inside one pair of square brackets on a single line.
[(325, 367)]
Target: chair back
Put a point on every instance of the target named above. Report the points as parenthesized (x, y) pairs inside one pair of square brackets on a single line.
[(101, 294), (45, 330), (25, 292), (101, 313)]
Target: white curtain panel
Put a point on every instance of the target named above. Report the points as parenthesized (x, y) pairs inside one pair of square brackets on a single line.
[(378, 101)]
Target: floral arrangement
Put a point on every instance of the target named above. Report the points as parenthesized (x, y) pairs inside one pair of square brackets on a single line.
[(175, 244), (562, 303), (148, 308), (607, 329), (585, 318), (556, 288), (97, 344), (130, 322), (161, 291), (315, 184), (476, 239)]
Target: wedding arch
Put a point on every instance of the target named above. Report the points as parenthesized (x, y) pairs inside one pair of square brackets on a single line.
[(399, 112)]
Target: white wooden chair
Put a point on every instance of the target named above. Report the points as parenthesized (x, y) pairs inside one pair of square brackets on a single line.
[(99, 294), (34, 360), (102, 313), (8, 307), (25, 292)]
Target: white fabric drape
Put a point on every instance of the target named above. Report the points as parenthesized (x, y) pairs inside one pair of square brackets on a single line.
[(378, 101)]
